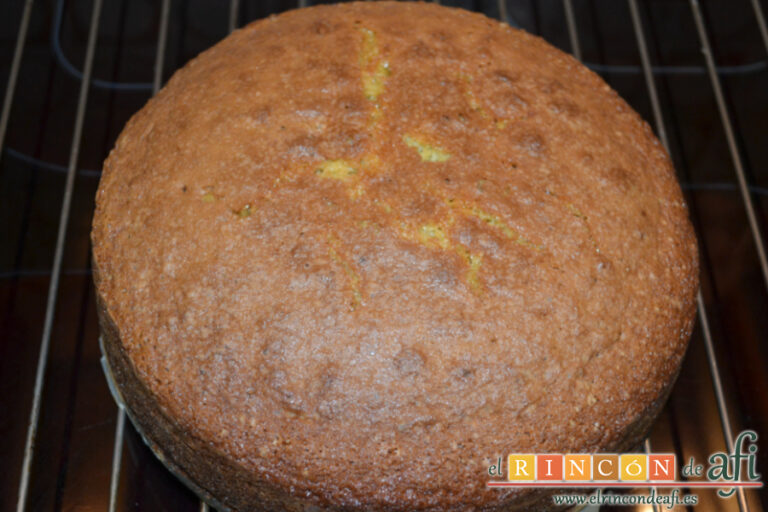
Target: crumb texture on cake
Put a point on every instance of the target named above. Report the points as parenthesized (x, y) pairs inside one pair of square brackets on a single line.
[(360, 251)]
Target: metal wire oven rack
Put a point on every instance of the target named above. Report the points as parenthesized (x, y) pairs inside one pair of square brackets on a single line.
[(698, 71)]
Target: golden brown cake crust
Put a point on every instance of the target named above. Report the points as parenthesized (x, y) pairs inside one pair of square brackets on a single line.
[(351, 254)]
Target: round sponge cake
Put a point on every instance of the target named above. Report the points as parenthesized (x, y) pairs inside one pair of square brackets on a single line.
[(352, 254)]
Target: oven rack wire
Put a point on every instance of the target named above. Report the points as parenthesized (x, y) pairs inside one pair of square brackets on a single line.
[(648, 70)]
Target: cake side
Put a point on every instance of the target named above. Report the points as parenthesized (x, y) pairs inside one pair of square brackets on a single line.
[(238, 488), (360, 251)]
